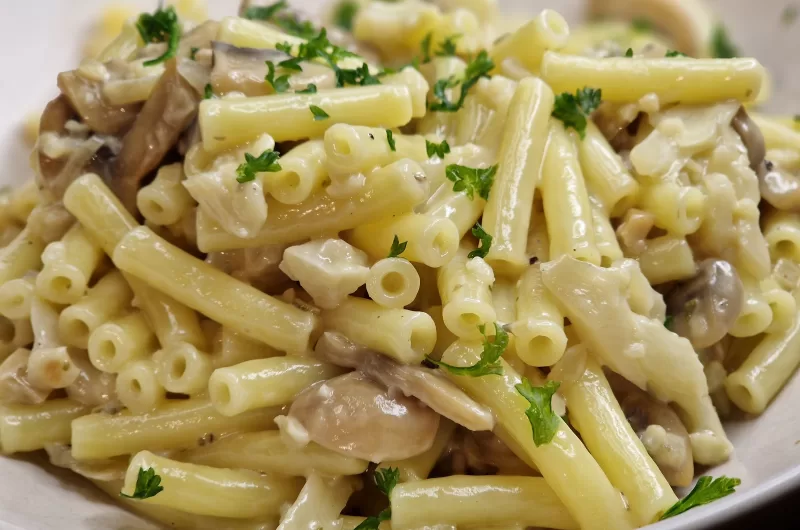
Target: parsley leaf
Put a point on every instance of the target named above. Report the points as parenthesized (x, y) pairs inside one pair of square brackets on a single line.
[(355, 76), (386, 479), (573, 110), (544, 422), (447, 48), (208, 91), (476, 69), (485, 242), (284, 47), (193, 53), (286, 21), (471, 179), (489, 363), (721, 45), (318, 113), (668, 322), (705, 491), (281, 84), (344, 14), (161, 26), (390, 139), (397, 247), (641, 25), (675, 53), (266, 161), (265, 12), (434, 149), (148, 484), (629, 53), (311, 88), (425, 48)]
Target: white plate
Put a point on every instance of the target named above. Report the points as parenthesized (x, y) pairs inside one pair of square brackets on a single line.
[(39, 38)]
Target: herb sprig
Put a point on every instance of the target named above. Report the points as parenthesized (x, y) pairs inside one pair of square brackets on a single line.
[(485, 242), (471, 180), (148, 484), (386, 479), (489, 363), (161, 26), (397, 247), (434, 149), (479, 67), (705, 491), (544, 422), (265, 162), (573, 110)]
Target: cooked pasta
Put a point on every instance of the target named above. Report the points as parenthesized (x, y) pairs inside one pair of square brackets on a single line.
[(504, 270)]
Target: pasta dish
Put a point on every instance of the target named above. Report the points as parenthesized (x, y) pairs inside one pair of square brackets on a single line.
[(401, 265)]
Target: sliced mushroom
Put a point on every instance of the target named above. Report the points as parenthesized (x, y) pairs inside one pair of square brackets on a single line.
[(242, 69), (199, 37), (169, 111), (705, 307), (481, 453), (659, 427), (92, 387), (779, 187), (751, 137), (86, 97), (356, 416), (424, 384)]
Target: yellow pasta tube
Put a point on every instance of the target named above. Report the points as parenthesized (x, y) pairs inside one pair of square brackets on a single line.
[(443, 124), (102, 215), (751, 248), (539, 328), (120, 341), (15, 297), (481, 501), (606, 175), (68, 267), (528, 44), (419, 467), (431, 240), (265, 382), (406, 336), (593, 502), (319, 503), (677, 209), (777, 135), (444, 337), (672, 79), (782, 232), (596, 414), (51, 367), (183, 369), (226, 123), (165, 201), (395, 28), (178, 424), (604, 236), (782, 305), (351, 149), (102, 303), (21, 255), (507, 214), (212, 292), (393, 283), (209, 491), (29, 427), (268, 452), (566, 201), (231, 347), (389, 191), (302, 173), (764, 372), (138, 388), (23, 200), (756, 315), (666, 259), (465, 286)]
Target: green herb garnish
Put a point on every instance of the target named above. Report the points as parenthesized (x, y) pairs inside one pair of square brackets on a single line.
[(485, 242), (311, 88), (390, 140), (265, 162), (148, 484), (544, 422), (397, 247), (318, 113), (721, 45), (386, 479), (355, 76), (705, 491), (629, 53), (675, 53), (344, 14), (668, 322), (161, 26), (193, 53), (281, 83), (447, 48), (641, 25), (208, 91), (434, 149), (489, 363), (574, 110), (471, 180), (476, 69)]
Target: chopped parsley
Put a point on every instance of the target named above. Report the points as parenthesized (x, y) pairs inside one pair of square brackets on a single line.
[(705, 491), (425, 48), (280, 84), (193, 53), (386, 479), (629, 53), (284, 47), (574, 110), (311, 88), (721, 45), (208, 91), (675, 53), (148, 484), (434, 149), (319, 47), (318, 113), (485, 242), (161, 26), (265, 12), (447, 48), (489, 363), (390, 140), (355, 76), (789, 14), (668, 322), (641, 25), (344, 14), (544, 422), (471, 180), (265, 162), (286, 21), (397, 247), (476, 69)]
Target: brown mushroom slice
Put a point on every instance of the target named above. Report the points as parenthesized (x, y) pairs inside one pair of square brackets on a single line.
[(659, 427), (356, 416), (751, 137), (199, 37), (92, 387), (424, 384), (86, 97), (169, 111), (779, 187), (243, 70), (705, 307)]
